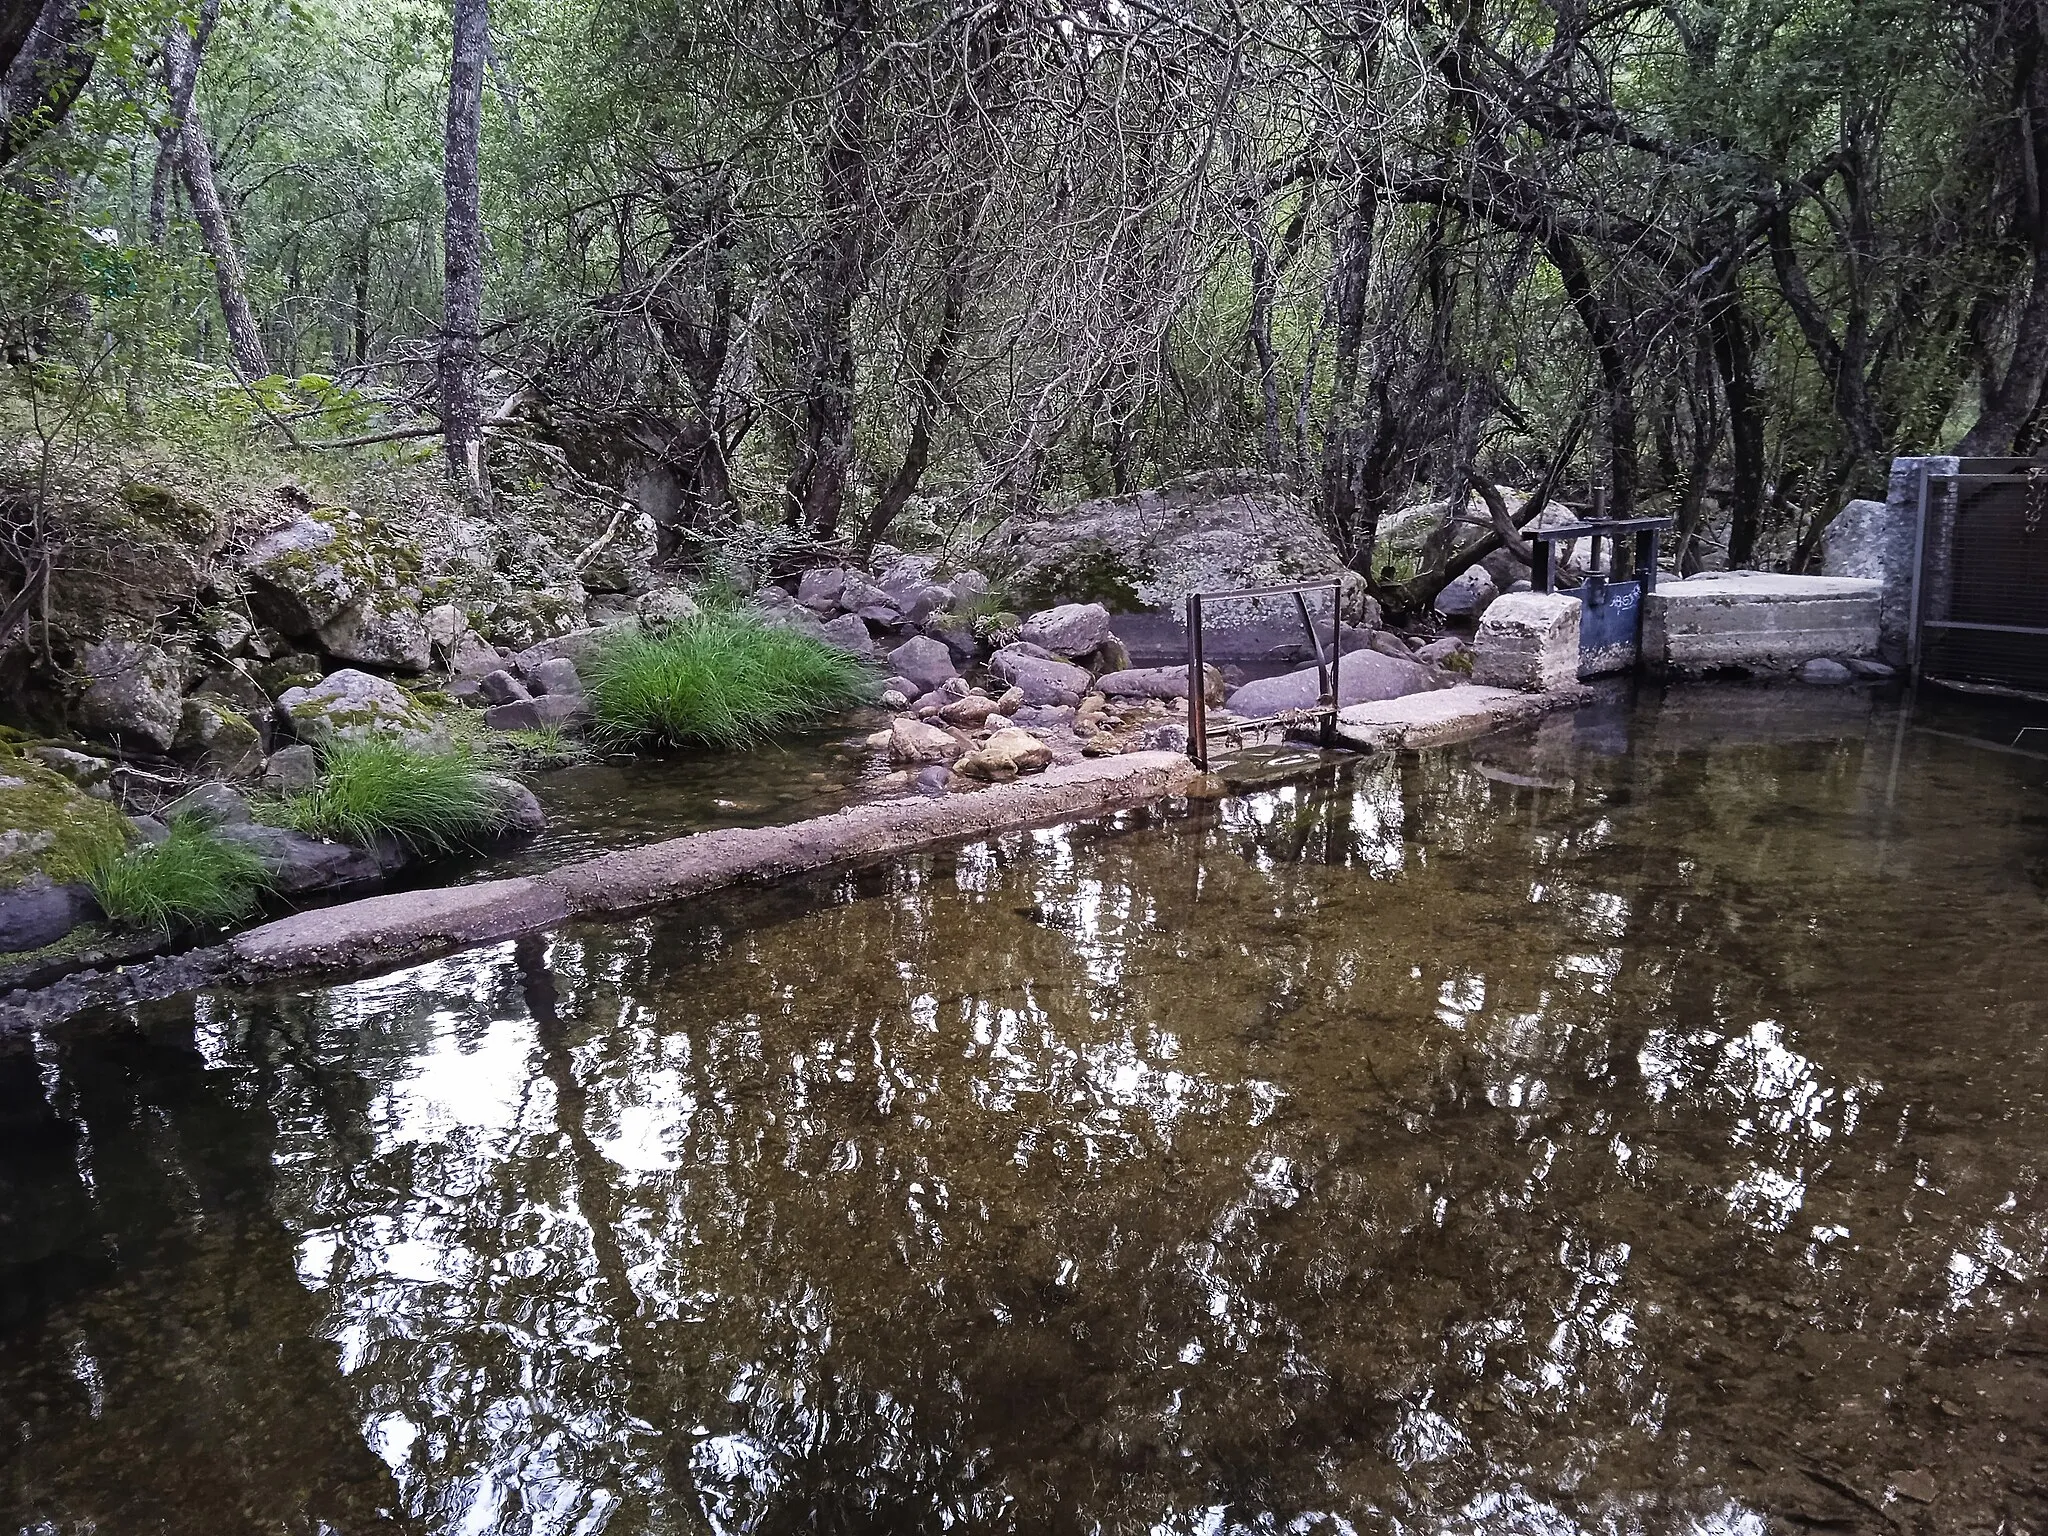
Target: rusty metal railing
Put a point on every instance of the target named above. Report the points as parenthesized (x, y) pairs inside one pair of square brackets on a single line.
[(1329, 667)]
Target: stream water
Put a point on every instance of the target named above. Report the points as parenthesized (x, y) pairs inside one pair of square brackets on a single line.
[(1637, 1124)]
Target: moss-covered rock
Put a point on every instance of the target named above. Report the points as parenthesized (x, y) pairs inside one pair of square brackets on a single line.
[(130, 693), (351, 705), (51, 827), (217, 739)]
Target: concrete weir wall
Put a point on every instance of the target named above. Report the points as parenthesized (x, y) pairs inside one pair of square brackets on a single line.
[(415, 925), (1758, 622)]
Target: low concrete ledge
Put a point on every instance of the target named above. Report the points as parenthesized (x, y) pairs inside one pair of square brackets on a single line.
[(407, 925), (1758, 621), (415, 925), (1448, 716)]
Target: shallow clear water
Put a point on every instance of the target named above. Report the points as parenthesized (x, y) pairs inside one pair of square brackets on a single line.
[(1637, 1124)]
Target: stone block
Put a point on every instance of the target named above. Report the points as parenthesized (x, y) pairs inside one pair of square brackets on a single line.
[(1528, 641), (1758, 622)]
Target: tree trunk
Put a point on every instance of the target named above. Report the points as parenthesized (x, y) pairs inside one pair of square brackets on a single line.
[(181, 78), (463, 246), (1343, 438), (44, 72), (2012, 399), (1735, 359), (1262, 334), (816, 489), (216, 232)]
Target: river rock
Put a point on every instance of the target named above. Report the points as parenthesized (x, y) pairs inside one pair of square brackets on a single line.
[(515, 811), (352, 705), (216, 805), (291, 768), (1467, 596), (1005, 755), (932, 779), (1224, 528), (132, 694), (39, 911), (379, 630), (556, 675), (501, 687), (870, 601), (219, 740), (1160, 683), (969, 712), (1072, 629), (913, 741), (1442, 651), (849, 633), (1045, 717), (1825, 673), (1853, 542), (969, 588), (665, 608), (89, 773), (821, 589), (1040, 678), (1367, 677), (924, 661), (298, 864), (1110, 656), (956, 632), (563, 711)]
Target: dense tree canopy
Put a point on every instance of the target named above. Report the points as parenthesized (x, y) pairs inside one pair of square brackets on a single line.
[(828, 262)]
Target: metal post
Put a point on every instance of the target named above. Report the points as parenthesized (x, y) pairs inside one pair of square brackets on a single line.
[(1648, 552), (1919, 570), (1336, 663), (1540, 575), (1198, 701)]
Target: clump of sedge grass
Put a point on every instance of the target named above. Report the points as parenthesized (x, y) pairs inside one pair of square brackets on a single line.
[(192, 879), (376, 787), (543, 748), (723, 679)]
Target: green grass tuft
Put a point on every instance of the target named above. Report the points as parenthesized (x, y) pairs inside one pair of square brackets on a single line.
[(724, 680), (191, 879), (375, 787), (539, 750)]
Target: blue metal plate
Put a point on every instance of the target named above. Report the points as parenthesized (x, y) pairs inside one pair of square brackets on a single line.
[(1610, 625)]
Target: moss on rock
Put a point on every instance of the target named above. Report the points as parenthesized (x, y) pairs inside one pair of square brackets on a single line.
[(48, 826)]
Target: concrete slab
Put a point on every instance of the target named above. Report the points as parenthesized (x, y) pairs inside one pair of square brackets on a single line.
[(1447, 716), (1758, 621), (1528, 640)]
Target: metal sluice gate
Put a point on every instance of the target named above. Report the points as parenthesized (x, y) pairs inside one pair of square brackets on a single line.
[(1980, 563), (1329, 667)]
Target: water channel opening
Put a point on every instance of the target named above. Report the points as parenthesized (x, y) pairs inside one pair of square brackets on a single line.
[(1635, 1123)]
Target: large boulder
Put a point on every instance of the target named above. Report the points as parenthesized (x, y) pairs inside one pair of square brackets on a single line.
[(1366, 678), (1041, 679), (132, 694), (304, 574), (130, 557), (848, 633), (379, 630), (1221, 529), (926, 662), (1467, 595), (351, 705), (913, 741), (1853, 542), (1071, 629), (1159, 683)]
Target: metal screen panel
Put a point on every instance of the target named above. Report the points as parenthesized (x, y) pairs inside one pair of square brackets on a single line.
[(1983, 606)]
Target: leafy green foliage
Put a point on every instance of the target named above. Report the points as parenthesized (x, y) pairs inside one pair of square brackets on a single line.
[(724, 679), (192, 879), (428, 800)]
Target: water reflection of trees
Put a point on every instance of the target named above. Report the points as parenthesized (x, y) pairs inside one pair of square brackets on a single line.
[(1416, 1143)]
